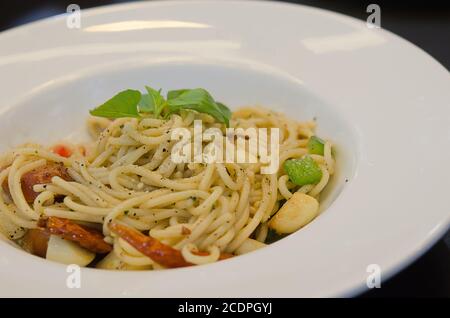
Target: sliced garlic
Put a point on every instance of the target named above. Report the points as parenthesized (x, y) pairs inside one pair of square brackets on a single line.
[(298, 211), (67, 252)]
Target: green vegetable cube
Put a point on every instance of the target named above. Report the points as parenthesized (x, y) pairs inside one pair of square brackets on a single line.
[(303, 171), (316, 146)]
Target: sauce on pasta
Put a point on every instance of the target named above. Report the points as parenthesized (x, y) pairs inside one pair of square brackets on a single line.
[(122, 197)]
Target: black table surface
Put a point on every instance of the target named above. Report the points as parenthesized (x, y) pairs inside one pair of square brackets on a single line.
[(424, 23)]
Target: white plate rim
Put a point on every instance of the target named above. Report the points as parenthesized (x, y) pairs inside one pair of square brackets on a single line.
[(404, 259)]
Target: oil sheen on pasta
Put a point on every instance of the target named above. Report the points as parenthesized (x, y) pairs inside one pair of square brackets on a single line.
[(125, 176)]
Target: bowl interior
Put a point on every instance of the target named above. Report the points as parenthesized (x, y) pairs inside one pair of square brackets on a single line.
[(59, 109)]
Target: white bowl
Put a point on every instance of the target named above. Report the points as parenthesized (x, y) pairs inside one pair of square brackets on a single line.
[(380, 99)]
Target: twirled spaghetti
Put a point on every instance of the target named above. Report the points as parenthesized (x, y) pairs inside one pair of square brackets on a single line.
[(125, 180)]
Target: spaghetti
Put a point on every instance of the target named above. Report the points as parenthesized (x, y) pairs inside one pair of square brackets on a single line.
[(124, 187)]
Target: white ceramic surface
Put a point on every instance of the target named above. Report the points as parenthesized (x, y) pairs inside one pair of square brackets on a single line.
[(384, 102)]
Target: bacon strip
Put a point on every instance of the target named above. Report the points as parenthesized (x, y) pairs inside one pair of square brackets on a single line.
[(88, 238), (162, 254), (41, 175)]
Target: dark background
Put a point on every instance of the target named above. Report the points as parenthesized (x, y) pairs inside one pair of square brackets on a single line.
[(424, 23)]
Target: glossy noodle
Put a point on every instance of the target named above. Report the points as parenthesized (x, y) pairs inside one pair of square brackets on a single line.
[(124, 189)]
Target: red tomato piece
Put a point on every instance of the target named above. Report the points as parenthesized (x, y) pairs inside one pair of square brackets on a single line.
[(62, 150)]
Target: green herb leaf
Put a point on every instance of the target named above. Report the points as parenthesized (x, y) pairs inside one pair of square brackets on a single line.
[(123, 104), (130, 103), (303, 171), (316, 146), (200, 100), (153, 102), (225, 111), (157, 99), (175, 93), (146, 105)]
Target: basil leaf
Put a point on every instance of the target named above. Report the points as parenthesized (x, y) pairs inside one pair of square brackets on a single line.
[(199, 100), (146, 105), (225, 111), (153, 102), (175, 93), (130, 103), (123, 104), (157, 100)]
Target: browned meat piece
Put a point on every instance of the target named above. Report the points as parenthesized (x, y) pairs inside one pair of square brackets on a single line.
[(162, 254), (88, 238), (41, 175)]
